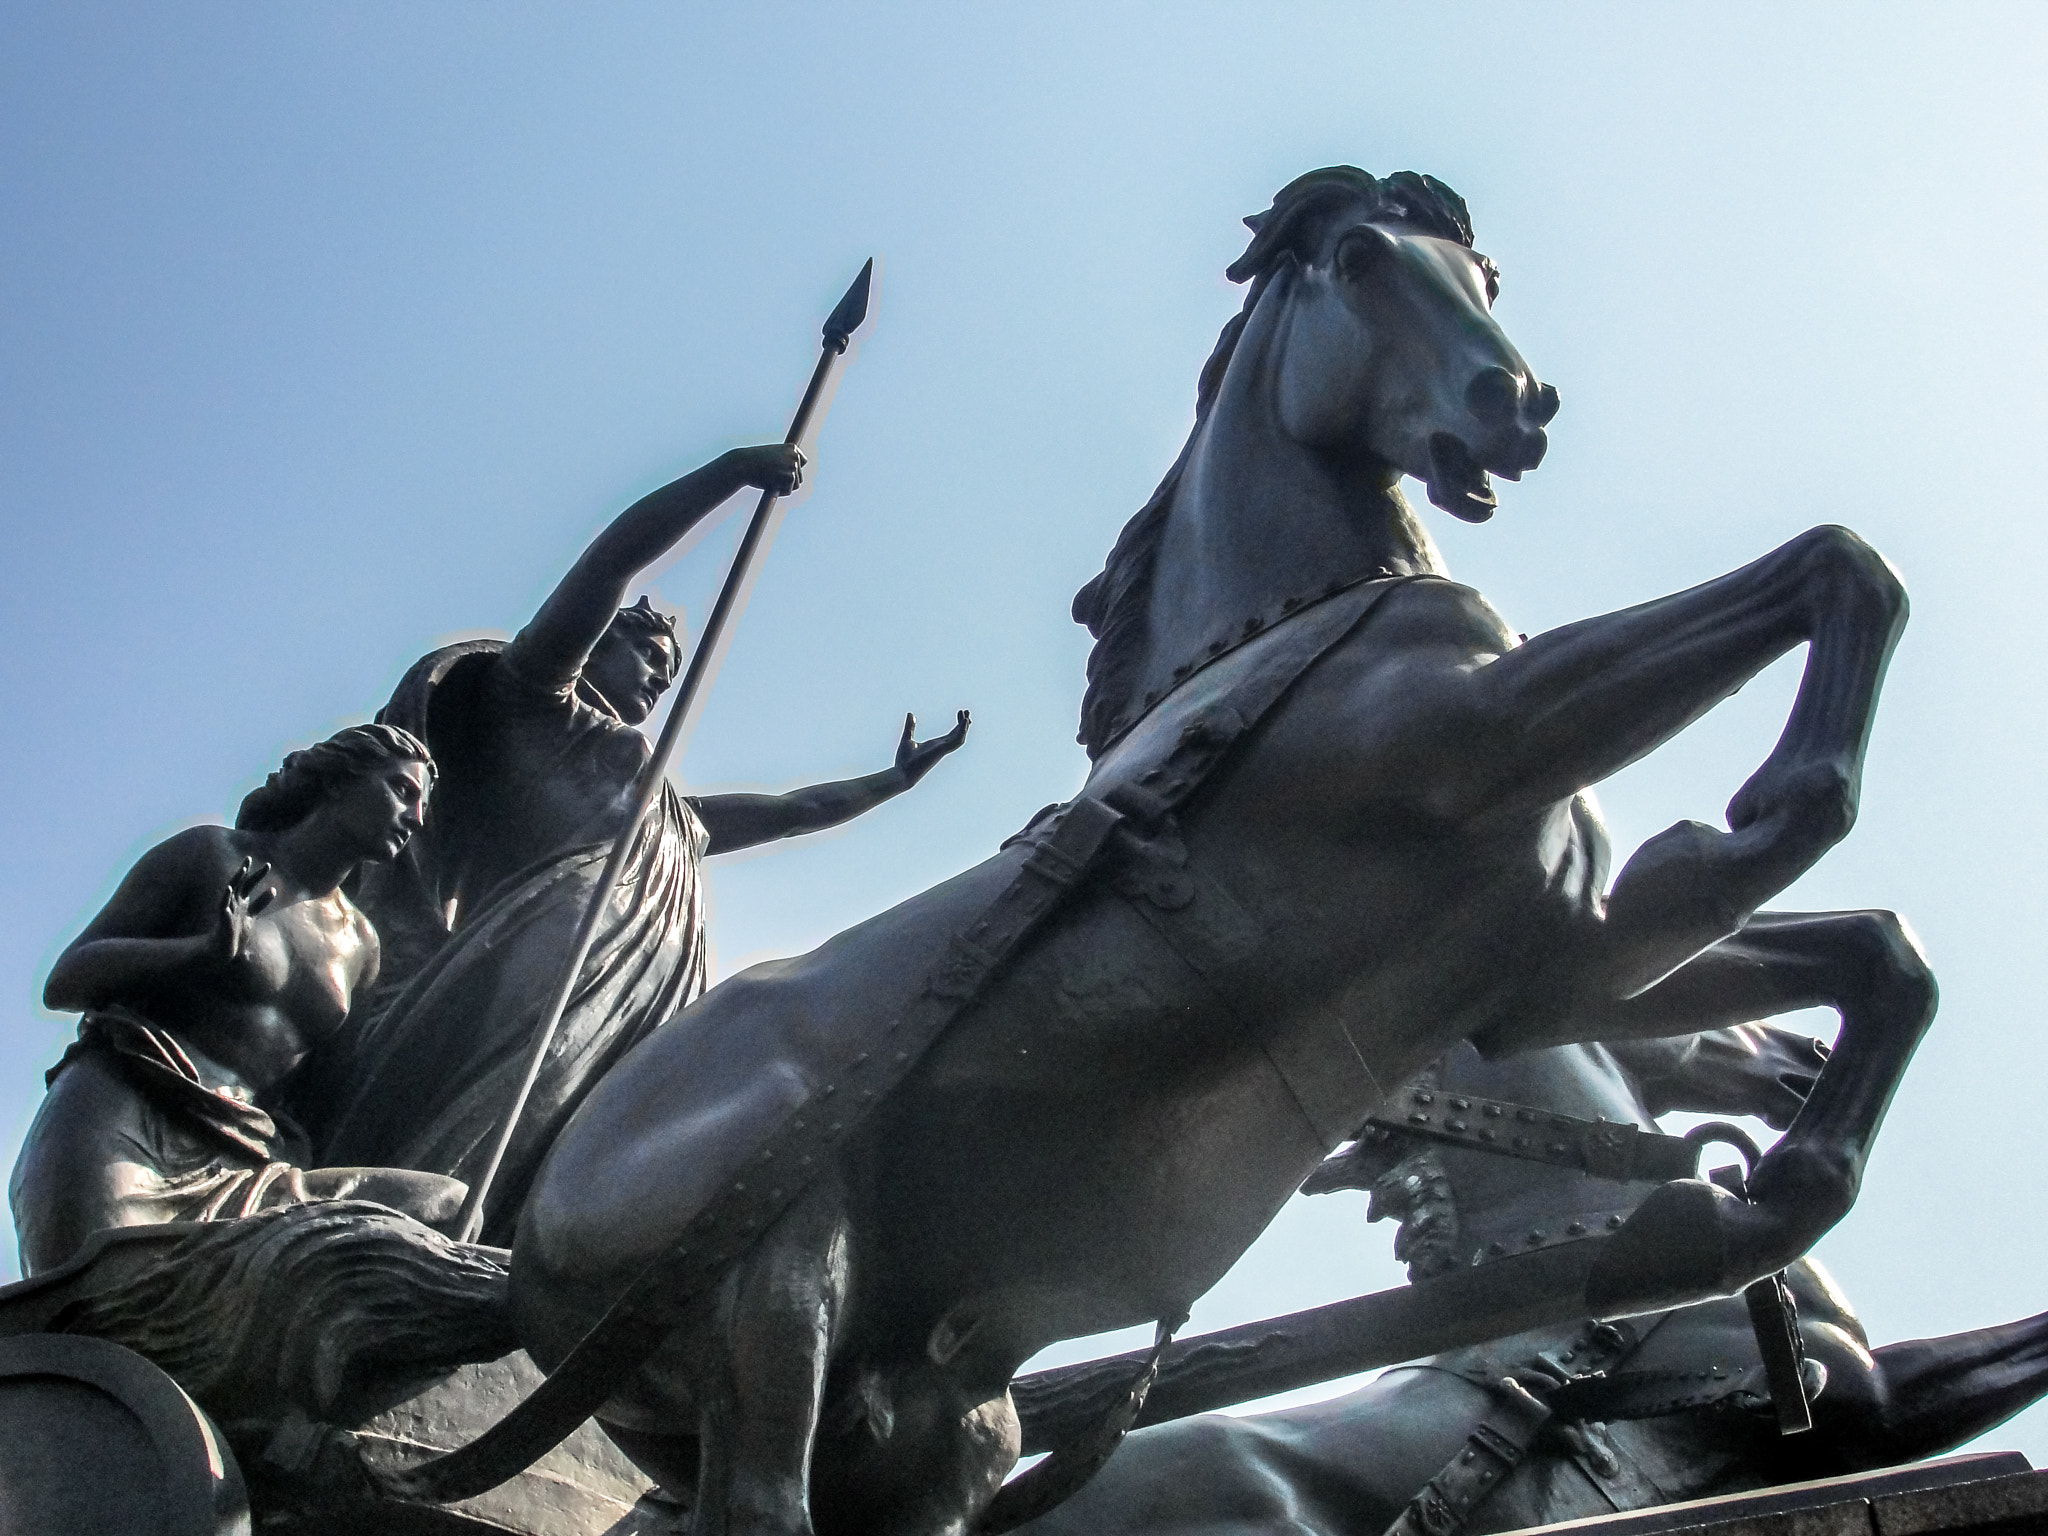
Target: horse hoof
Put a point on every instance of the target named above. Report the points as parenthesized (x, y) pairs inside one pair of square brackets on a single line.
[(1812, 802), (1669, 902)]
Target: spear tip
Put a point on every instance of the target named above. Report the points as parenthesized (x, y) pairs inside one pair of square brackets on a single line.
[(851, 311)]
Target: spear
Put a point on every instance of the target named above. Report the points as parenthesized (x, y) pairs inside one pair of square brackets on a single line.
[(845, 319)]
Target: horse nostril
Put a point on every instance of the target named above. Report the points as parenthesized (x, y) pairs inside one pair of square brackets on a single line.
[(1545, 405), (1494, 396)]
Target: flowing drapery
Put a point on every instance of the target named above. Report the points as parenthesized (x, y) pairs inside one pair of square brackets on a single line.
[(433, 1074)]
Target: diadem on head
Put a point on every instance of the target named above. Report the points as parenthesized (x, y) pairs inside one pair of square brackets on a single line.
[(643, 618)]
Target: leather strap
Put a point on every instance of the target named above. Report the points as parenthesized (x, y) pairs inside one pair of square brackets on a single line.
[(1602, 1148), (1061, 1475), (1610, 1466), (1214, 937), (1774, 1319), (1492, 1451), (1517, 1416)]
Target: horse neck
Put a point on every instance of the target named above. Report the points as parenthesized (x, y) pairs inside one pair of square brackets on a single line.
[(1260, 523)]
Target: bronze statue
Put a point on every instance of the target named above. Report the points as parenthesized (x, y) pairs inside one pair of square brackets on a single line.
[(539, 749), (1336, 822), (1682, 1411), (224, 958)]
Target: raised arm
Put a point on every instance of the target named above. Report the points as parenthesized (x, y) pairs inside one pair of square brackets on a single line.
[(742, 821), (182, 909), (553, 647)]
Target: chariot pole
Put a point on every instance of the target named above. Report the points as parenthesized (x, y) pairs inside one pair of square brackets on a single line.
[(845, 319)]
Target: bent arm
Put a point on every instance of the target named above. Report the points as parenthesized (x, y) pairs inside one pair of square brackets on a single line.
[(553, 647), (158, 925)]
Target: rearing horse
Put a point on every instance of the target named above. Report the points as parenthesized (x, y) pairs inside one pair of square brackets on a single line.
[(1335, 823)]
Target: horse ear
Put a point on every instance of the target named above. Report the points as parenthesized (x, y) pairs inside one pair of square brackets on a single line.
[(1296, 215), (1363, 249)]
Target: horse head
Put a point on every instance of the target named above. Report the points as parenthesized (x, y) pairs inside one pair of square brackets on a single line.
[(1390, 352), (1366, 350)]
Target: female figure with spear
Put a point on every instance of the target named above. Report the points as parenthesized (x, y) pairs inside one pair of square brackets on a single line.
[(540, 759)]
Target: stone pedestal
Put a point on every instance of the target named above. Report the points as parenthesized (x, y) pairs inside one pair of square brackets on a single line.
[(1997, 1494)]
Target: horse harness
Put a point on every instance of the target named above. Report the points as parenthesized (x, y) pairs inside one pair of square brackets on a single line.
[(1578, 1387), (1129, 828), (1602, 1148), (1523, 1403), (1582, 1381)]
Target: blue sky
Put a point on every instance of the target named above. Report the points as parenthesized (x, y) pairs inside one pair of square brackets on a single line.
[(331, 331)]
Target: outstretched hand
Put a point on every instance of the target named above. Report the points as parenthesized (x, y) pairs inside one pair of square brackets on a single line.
[(777, 467), (915, 759), (242, 901)]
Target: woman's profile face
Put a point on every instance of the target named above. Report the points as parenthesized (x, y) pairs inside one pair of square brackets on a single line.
[(632, 668), (380, 811)]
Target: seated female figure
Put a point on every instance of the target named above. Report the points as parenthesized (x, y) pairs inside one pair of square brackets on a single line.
[(224, 957)]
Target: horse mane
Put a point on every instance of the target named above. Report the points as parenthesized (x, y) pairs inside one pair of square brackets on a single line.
[(1114, 605)]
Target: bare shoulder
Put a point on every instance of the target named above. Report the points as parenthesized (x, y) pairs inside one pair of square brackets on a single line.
[(361, 927), (172, 887), (211, 852)]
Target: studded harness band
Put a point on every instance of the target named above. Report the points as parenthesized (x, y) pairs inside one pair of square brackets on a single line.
[(1602, 1148)]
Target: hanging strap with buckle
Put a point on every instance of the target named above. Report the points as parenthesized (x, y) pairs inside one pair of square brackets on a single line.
[(1513, 1420)]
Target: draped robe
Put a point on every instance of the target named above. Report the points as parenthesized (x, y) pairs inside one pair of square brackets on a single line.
[(477, 917), (134, 1133)]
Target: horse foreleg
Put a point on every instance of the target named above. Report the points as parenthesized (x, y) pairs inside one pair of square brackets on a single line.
[(1932, 1395), (1582, 701), (764, 1377), (1866, 966), (1576, 704)]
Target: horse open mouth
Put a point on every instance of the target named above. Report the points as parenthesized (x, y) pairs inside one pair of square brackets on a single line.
[(1456, 482)]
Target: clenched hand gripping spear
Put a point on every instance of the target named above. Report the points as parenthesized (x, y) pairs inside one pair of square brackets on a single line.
[(845, 320)]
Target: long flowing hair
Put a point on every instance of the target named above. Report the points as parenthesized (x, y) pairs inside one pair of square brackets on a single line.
[(1115, 604), (290, 795)]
